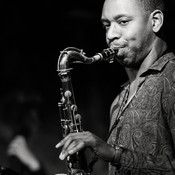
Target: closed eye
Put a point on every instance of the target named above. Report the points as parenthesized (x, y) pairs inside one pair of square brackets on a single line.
[(123, 22), (106, 25)]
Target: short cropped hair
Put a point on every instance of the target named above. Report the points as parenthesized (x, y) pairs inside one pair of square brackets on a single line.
[(151, 5)]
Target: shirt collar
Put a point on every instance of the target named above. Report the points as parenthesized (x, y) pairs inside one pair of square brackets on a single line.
[(159, 64)]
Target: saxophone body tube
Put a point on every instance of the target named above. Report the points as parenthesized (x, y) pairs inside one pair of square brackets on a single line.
[(68, 110)]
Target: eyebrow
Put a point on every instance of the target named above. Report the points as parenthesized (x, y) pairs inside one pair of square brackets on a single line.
[(115, 18)]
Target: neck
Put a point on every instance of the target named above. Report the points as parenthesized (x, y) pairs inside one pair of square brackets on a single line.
[(158, 47)]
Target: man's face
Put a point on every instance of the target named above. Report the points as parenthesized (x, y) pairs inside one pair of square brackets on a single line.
[(128, 28)]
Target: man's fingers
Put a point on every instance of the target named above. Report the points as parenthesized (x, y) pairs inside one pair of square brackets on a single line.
[(68, 137), (73, 148), (72, 143), (61, 143)]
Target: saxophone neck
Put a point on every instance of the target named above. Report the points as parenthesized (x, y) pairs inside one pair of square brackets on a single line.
[(71, 55), (75, 55)]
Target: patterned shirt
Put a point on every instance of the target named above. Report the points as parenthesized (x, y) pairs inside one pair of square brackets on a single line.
[(145, 127)]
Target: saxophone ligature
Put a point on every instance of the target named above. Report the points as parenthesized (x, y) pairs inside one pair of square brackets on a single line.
[(68, 110)]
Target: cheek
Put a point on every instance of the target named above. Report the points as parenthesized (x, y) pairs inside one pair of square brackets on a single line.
[(138, 32), (136, 44), (138, 39)]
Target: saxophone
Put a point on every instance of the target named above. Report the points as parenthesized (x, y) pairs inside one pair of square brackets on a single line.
[(68, 110)]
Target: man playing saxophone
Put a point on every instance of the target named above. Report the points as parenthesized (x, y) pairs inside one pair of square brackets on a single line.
[(141, 137)]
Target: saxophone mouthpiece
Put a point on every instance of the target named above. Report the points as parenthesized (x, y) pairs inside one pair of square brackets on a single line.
[(106, 55)]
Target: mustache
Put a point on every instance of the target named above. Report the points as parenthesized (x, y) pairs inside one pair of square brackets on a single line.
[(117, 45)]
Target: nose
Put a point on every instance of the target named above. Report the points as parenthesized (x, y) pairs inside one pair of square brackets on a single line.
[(113, 32)]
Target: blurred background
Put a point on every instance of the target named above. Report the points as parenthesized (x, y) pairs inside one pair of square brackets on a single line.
[(32, 34)]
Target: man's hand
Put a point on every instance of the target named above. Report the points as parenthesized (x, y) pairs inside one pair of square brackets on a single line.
[(74, 142)]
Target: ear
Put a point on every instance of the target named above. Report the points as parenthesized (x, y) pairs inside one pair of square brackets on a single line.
[(157, 20)]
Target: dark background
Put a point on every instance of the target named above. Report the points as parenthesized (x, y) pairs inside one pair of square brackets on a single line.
[(32, 34)]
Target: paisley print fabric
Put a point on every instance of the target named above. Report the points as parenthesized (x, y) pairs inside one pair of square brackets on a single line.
[(146, 126)]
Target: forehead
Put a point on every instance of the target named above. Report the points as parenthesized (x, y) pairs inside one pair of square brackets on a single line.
[(130, 7)]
